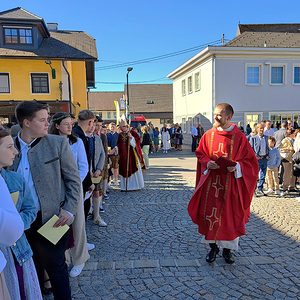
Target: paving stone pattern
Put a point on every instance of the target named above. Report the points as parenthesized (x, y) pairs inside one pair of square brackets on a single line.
[(151, 249)]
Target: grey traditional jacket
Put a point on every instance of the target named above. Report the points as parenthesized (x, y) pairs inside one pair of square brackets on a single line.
[(99, 155), (55, 174)]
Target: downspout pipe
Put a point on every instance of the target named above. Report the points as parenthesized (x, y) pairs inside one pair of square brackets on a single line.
[(213, 84), (69, 84)]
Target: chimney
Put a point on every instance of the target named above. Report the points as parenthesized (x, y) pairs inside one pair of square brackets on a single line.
[(52, 26)]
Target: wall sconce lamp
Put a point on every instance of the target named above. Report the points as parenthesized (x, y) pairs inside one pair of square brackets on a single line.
[(48, 62)]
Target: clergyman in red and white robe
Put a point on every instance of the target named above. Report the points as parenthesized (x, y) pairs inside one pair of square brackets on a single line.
[(221, 201)]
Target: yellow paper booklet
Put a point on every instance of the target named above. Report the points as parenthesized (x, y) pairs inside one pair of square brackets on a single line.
[(15, 197), (53, 234), (96, 180)]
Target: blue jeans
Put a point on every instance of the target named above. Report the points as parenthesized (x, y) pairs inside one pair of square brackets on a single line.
[(262, 163)]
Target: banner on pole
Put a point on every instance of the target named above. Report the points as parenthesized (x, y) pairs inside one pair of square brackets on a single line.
[(117, 112)]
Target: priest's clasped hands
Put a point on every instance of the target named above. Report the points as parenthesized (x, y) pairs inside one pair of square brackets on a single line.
[(214, 166)]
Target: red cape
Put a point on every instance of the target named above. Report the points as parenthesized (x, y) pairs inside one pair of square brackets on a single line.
[(134, 154), (221, 203)]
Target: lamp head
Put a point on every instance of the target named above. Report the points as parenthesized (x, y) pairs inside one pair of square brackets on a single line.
[(129, 69)]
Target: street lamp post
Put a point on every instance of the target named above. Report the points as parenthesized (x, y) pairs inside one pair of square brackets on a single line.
[(127, 104)]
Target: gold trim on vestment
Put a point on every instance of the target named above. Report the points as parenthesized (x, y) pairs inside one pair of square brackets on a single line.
[(138, 160), (211, 144), (226, 187), (206, 198)]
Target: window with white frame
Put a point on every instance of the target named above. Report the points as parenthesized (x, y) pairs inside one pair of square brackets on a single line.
[(277, 74), (183, 89), (253, 74), (114, 115), (4, 83), (197, 81), (108, 114), (297, 75), (190, 84), (40, 83), (278, 118)]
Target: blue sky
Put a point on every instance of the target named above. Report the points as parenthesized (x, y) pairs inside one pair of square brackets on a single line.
[(127, 31)]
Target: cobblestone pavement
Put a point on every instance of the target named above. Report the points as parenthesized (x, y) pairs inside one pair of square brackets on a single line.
[(151, 249)]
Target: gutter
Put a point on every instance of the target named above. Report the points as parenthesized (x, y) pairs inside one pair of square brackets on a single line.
[(213, 84), (69, 83)]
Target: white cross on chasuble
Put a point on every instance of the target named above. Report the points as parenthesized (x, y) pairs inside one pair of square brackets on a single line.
[(217, 185), (212, 218)]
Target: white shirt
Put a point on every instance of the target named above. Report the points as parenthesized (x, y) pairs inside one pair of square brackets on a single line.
[(24, 169), (269, 132), (263, 146), (80, 158)]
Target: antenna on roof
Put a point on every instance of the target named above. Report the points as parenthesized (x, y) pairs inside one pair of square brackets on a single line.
[(223, 36)]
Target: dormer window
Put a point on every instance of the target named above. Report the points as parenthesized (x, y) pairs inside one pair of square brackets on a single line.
[(18, 35)]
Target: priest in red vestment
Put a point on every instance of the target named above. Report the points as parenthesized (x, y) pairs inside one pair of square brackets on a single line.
[(131, 164), (224, 188)]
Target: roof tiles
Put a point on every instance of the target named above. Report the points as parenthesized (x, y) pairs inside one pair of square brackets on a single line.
[(19, 13), (265, 39), (61, 44)]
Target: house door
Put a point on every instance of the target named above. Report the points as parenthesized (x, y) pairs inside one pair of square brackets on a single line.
[(252, 119)]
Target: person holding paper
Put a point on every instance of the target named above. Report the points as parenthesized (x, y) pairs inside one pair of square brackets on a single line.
[(20, 274), (62, 124), (104, 184), (48, 166), (97, 164), (99, 130), (221, 201), (86, 119)]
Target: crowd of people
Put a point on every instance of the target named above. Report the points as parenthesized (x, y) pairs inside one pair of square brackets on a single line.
[(165, 138), (65, 168), (276, 147), (277, 151)]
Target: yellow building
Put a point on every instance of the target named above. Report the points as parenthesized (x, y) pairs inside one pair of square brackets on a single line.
[(40, 62)]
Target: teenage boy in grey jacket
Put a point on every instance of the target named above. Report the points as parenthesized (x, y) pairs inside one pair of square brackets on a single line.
[(47, 164)]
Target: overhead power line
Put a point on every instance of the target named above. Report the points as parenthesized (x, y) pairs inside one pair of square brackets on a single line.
[(159, 57), (136, 82)]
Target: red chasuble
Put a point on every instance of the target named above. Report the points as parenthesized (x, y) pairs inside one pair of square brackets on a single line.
[(135, 154), (221, 202)]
